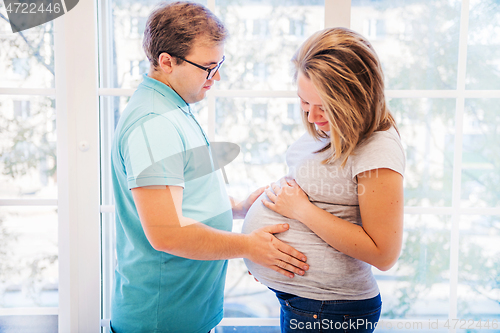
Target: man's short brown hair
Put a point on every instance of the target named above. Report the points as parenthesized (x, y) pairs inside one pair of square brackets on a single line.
[(173, 28)]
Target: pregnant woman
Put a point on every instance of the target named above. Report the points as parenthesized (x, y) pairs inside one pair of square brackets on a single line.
[(343, 194)]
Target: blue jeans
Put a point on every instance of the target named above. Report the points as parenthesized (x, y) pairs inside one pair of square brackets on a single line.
[(308, 315)]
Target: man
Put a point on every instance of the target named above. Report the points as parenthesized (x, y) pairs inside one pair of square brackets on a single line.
[(173, 216)]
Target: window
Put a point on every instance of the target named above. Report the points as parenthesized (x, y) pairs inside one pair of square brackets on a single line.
[(431, 81), (297, 27), (21, 67), (260, 71), (29, 246), (424, 71), (260, 27), (137, 25), (373, 28), (21, 109), (294, 111), (259, 111)]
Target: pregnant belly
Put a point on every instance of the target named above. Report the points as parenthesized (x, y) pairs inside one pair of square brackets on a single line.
[(329, 269), (260, 216), (298, 236)]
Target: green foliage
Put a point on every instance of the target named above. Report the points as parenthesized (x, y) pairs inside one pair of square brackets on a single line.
[(36, 281), (424, 261), (28, 142), (481, 159), (6, 239), (427, 127), (7, 269), (32, 45)]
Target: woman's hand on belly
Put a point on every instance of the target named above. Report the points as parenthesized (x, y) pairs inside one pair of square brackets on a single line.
[(287, 198)]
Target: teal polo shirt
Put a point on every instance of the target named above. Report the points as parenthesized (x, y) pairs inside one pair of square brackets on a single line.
[(158, 141)]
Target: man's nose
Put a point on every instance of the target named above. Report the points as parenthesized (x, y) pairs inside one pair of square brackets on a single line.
[(216, 76)]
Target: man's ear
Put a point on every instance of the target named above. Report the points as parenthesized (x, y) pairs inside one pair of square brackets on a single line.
[(166, 62)]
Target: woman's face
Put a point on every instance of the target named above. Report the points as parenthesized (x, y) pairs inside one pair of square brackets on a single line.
[(311, 103)]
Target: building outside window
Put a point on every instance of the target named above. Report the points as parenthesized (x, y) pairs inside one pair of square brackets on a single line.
[(21, 67), (297, 27), (21, 109)]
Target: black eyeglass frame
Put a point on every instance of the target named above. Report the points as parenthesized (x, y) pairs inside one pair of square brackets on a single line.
[(211, 71)]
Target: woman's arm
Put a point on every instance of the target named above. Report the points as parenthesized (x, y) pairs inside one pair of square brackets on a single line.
[(378, 242)]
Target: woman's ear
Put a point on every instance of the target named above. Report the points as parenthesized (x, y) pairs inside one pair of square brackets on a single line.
[(166, 62)]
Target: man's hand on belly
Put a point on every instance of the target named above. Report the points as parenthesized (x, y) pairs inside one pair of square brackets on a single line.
[(266, 250)]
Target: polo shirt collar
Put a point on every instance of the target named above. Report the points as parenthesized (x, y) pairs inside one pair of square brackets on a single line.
[(166, 91)]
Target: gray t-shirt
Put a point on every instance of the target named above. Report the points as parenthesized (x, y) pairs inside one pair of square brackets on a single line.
[(332, 274)]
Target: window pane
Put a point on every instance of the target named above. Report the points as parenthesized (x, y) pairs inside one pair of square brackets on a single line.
[(27, 57), (38, 323), (27, 147), (263, 128), (28, 257), (264, 35), (417, 41), (479, 268), (481, 154), (418, 285), (123, 59), (483, 51), (243, 296), (427, 128)]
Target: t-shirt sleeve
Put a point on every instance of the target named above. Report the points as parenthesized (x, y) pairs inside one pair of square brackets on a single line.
[(381, 150), (154, 153)]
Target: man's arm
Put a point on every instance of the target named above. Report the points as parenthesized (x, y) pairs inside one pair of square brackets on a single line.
[(160, 212)]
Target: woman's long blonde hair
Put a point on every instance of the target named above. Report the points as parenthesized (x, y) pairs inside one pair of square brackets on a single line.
[(346, 72)]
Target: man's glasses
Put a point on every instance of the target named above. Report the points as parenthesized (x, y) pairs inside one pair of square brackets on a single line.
[(211, 71)]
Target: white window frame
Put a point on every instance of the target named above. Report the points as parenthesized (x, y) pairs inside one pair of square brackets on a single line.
[(78, 173), (77, 111)]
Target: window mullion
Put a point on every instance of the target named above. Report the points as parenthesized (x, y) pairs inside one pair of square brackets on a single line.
[(457, 165)]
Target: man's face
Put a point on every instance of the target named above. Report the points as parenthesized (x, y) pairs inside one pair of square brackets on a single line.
[(189, 81)]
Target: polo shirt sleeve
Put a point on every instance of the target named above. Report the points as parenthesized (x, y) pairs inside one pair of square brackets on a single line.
[(154, 153)]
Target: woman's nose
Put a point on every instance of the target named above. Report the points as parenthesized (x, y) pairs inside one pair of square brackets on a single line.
[(314, 114)]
